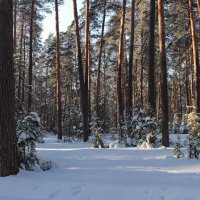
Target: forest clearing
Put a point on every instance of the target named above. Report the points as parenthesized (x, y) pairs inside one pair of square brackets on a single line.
[(81, 172)]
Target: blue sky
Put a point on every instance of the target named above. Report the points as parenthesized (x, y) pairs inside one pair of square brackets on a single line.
[(65, 17)]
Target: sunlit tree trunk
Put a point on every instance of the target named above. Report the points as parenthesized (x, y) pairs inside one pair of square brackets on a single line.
[(120, 103), (198, 6), (58, 78), (151, 68), (163, 83), (195, 57), (84, 105)]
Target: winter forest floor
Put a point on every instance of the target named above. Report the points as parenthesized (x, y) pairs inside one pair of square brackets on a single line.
[(84, 173)]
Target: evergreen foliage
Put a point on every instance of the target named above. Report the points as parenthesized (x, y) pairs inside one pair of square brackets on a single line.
[(193, 125), (72, 126), (29, 132)]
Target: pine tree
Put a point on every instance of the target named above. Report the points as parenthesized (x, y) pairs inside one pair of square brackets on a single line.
[(8, 145), (164, 89)]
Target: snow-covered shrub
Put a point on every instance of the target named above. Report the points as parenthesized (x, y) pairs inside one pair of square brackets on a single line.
[(194, 146), (97, 141), (143, 128), (72, 125), (193, 126), (177, 149), (46, 165), (96, 125), (29, 132)]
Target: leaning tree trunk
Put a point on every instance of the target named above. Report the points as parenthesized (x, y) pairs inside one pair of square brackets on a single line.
[(163, 83), (99, 62), (151, 68), (84, 105), (58, 81), (195, 58), (8, 142)]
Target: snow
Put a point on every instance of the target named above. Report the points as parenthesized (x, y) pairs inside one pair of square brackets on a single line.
[(84, 173)]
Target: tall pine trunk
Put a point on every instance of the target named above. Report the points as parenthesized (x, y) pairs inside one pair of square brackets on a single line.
[(195, 57), (99, 62), (84, 105), (58, 78), (151, 68), (8, 141), (120, 102), (163, 83), (130, 65), (30, 68), (87, 49)]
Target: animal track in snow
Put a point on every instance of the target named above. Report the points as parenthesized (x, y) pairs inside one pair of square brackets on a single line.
[(76, 190)]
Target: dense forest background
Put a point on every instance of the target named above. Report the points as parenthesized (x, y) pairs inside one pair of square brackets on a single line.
[(116, 68), (125, 68)]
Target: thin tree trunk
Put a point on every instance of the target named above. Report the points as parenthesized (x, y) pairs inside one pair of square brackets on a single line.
[(87, 49), (84, 105), (158, 96), (135, 84), (195, 58), (99, 62), (120, 65), (151, 68), (8, 142), (187, 88), (164, 88), (30, 69), (198, 6), (89, 85), (58, 76), (130, 65), (15, 25), (20, 65), (24, 64), (180, 95), (141, 72)]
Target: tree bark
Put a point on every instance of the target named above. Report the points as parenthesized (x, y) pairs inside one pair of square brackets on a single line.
[(141, 72), (15, 26), (195, 57), (20, 59), (198, 6), (99, 62), (8, 142), (30, 69), (58, 76), (130, 65), (120, 104), (87, 49), (84, 105), (151, 68), (163, 83)]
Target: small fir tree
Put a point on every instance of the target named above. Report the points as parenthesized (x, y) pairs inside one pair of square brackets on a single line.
[(29, 132), (193, 125)]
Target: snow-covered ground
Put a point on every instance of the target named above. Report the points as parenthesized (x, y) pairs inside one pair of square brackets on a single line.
[(85, 173)]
